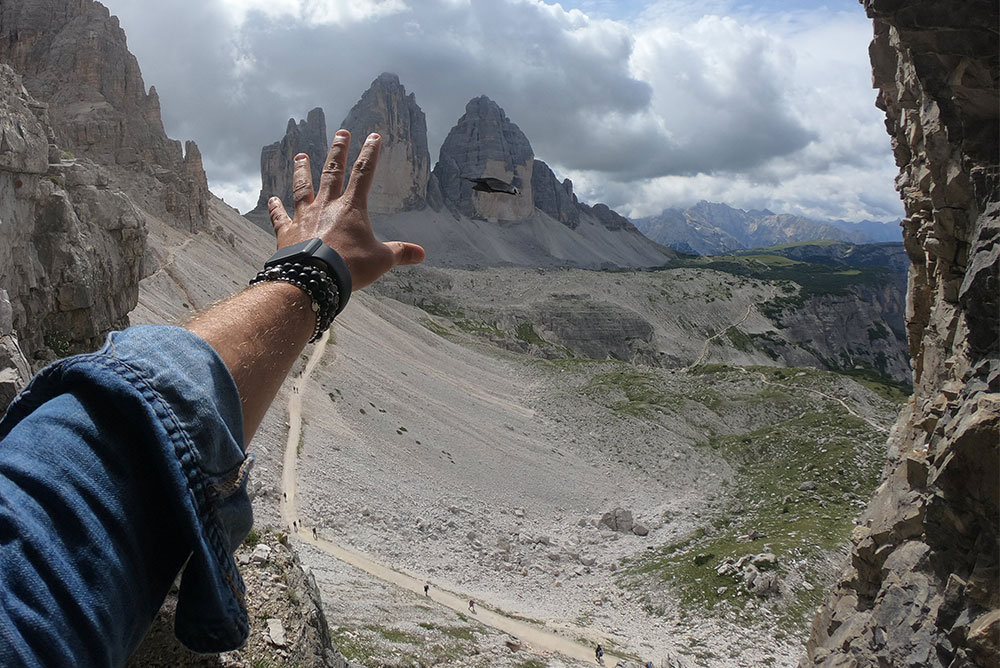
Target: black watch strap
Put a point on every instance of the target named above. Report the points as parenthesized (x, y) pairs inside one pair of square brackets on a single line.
[(311, 252)]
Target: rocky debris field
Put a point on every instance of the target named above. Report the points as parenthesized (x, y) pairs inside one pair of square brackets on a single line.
[(507, 474)]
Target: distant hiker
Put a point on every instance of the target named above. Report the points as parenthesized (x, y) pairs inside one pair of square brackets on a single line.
[(314, 532), (472, 606), (284, 495), (427, 590), (295, 525), (599, 653)]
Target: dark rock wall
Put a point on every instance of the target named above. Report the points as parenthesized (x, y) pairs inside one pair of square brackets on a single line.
[(74, 57), (70, 243), (921, 587)]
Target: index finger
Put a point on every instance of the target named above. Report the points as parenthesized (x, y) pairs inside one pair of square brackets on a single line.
[(363, 172)]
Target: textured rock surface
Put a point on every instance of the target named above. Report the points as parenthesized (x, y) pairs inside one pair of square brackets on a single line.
[(485, 142), (73, 56), (861, 327), (404, 164), (554, 198), (279, 591), (14, 368), (70, 244), (921, 588), (276, 160)]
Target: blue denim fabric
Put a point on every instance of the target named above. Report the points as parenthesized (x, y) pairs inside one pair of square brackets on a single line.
[(116, 468)]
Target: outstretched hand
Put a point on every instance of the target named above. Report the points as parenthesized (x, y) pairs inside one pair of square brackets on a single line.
[(341, 219)]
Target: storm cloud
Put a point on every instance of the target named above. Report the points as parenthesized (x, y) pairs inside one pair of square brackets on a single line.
[(643, 110)]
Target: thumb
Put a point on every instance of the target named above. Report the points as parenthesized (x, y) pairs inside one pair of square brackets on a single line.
[(405, 253)]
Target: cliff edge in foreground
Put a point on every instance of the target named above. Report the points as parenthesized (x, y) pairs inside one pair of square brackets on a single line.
[(921, 587)]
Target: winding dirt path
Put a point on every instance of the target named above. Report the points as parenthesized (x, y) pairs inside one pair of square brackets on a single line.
[(534, 637), (874, 425), (708, 341)]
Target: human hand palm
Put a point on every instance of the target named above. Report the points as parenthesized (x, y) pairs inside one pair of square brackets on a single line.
[(341, 219)]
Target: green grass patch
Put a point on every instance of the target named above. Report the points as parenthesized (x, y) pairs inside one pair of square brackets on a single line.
[(252, 539), (437, 328), (631, 392), (880, 384), (529, 663), (526, 332), (829, 447), (740, 340)]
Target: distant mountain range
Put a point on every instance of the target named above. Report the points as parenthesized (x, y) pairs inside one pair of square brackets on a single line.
[(710, 228)]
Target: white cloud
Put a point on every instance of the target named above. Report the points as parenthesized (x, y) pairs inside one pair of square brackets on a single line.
[(684, 101), (314, 11)]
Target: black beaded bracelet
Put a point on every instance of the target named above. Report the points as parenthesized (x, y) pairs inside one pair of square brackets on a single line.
[(316, 283)]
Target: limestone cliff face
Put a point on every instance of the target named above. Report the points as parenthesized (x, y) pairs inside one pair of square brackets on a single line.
[(404, 164), (921, 588), (861, 327), (485, 142), (309, 137), (554, 198), (73, 56), (70, 244)]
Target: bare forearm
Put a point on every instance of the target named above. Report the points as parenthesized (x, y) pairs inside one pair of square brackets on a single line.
[(258, 333)]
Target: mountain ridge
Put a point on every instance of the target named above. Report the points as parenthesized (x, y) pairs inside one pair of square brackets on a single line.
[(713, 228)]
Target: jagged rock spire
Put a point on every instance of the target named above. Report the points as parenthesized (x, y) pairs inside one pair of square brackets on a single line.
[(485, 142), (404, 165)]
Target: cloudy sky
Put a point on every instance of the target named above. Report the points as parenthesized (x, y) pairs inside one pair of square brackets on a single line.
[(645, 104)]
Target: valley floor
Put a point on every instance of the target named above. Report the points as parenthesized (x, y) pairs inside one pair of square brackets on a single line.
[(486, 472)]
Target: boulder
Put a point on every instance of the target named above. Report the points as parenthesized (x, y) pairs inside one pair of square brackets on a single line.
[(619, 520)]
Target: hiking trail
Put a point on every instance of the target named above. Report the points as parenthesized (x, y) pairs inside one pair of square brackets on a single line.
[(535, 638)]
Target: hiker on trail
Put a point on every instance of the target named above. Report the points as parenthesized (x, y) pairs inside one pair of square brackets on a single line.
[(121, 467), (427, 589), (314, 532), (472, 606), (599, 653)]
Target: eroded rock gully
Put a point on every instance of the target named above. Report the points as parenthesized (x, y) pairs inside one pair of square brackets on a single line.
[(921, 586)]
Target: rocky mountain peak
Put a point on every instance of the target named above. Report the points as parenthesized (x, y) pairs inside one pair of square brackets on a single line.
[(485, 142), (306, 136), (73, 55), (404, 166)]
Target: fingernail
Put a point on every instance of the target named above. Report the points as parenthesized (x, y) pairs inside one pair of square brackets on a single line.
[(373, 136), (299, 159)]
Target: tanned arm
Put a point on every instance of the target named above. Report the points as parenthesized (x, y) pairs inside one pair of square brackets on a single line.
[(260, 331)]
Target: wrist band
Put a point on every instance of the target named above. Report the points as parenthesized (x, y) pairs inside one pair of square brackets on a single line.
[(321, 288)]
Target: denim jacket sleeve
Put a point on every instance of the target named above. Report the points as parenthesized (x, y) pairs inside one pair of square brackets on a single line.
[(117, 469)]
